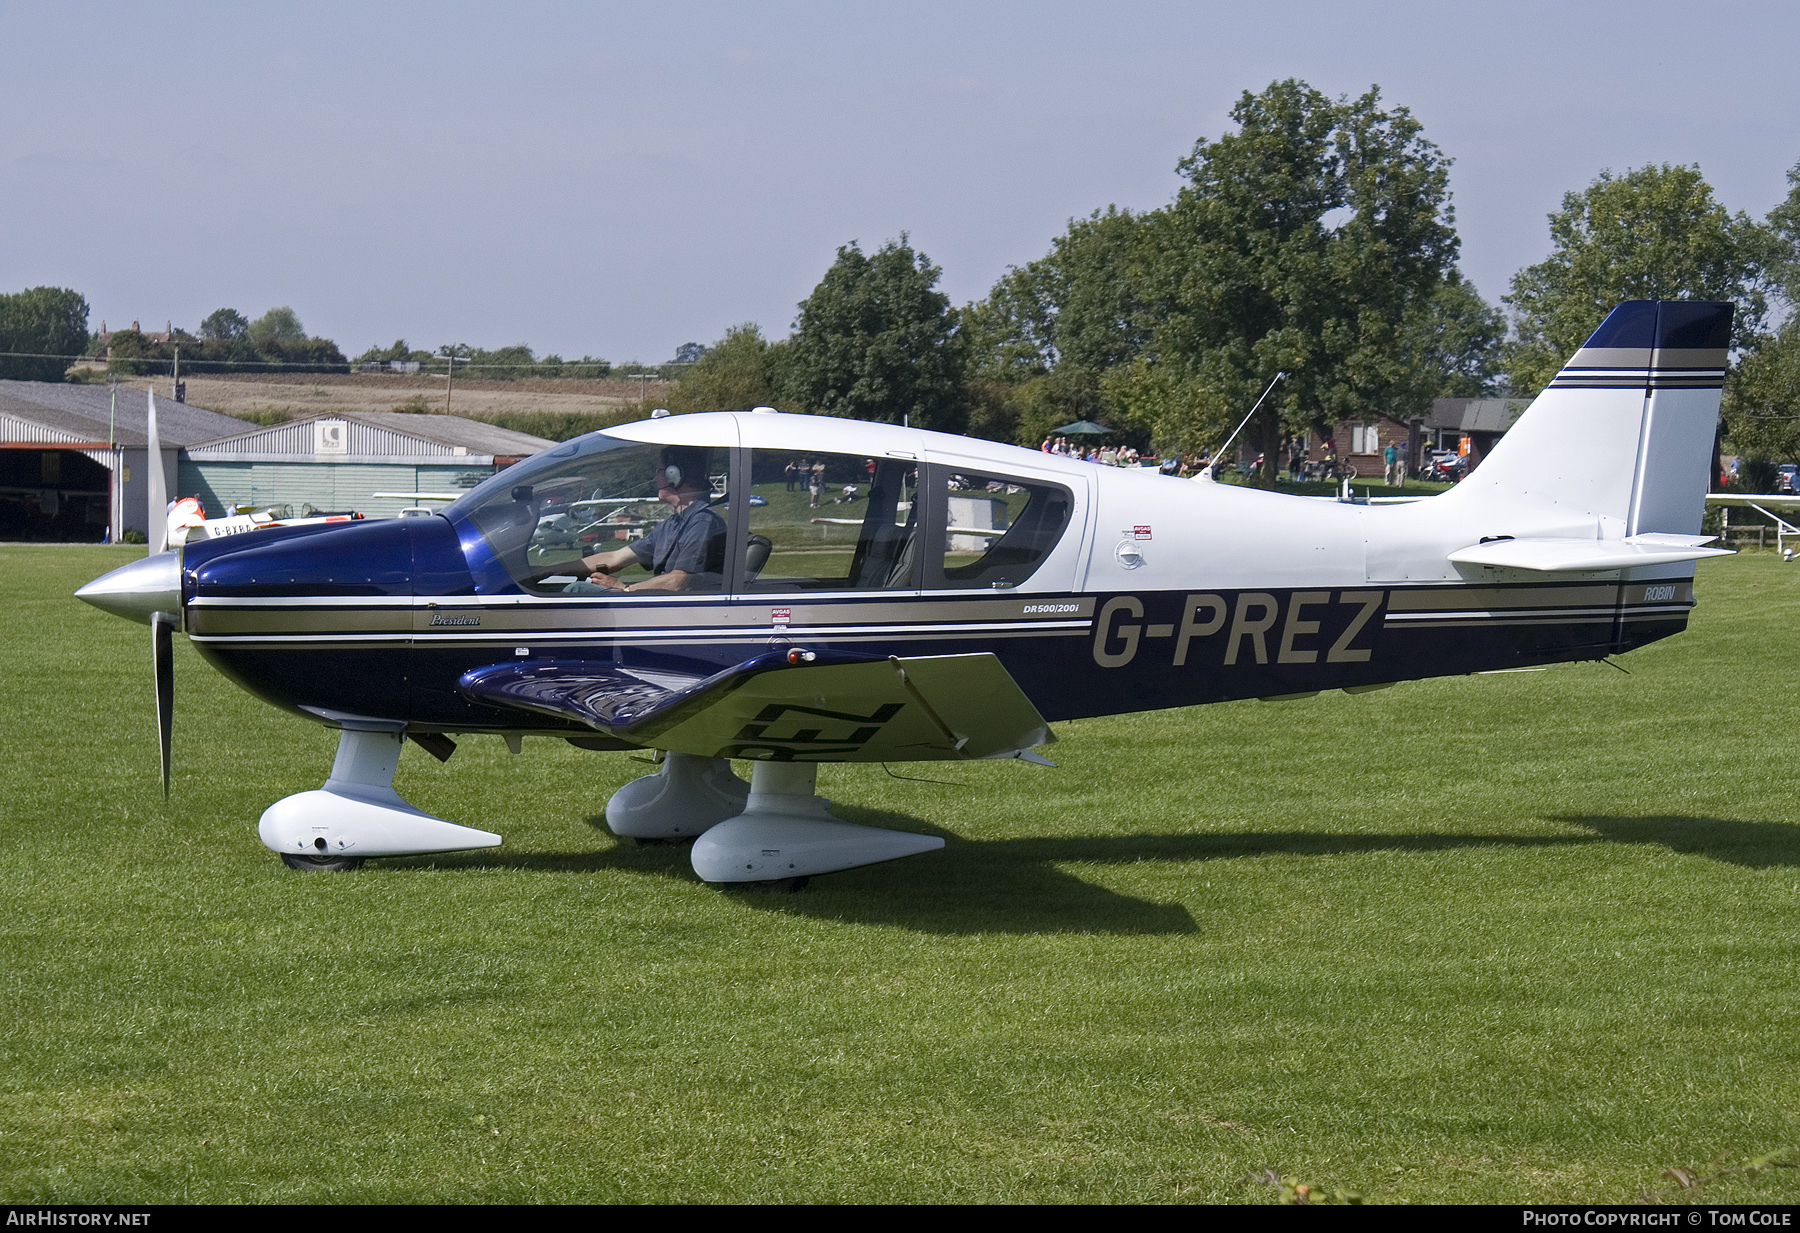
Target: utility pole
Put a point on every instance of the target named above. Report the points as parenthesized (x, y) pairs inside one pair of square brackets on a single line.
[(450, 358), (115, 525)]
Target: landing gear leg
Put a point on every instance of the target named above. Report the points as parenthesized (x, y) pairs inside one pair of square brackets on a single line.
[(786, 834), (357, 814)]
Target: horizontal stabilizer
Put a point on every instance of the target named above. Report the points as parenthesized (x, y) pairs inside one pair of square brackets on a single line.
[(1557, 555), (777, 707)]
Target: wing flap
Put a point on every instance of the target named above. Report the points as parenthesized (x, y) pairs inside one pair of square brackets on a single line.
[(838, 708)]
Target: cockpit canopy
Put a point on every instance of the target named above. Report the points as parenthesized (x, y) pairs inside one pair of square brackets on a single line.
[(809, 521)]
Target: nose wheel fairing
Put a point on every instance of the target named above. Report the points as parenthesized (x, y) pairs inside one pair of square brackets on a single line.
[(357, 814)]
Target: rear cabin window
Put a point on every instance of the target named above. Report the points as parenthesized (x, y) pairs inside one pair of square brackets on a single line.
[(836, 522), (997, 529)]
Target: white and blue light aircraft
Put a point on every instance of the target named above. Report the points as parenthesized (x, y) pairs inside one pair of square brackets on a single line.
[(828, 590)]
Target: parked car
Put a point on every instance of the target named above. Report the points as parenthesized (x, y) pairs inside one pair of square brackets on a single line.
[(1787, 478)]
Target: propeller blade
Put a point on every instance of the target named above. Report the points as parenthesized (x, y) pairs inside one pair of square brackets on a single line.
[(158, 513), (162, 650)]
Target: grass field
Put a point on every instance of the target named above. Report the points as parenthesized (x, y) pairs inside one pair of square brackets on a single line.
[(1525, 937)]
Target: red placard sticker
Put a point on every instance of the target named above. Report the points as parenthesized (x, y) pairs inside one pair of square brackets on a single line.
[(1140, 532), (780, 616)]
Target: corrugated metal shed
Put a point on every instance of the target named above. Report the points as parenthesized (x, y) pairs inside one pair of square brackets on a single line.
[(82, 418), (82, 411), (222, 485), (338, 462), (329, 462), (15, 430), (370, 435)]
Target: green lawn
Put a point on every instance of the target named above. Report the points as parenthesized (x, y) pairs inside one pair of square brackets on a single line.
[(1527, 937)]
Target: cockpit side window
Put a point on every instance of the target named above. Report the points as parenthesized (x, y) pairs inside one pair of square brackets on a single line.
[(822, 521), (995, 529)]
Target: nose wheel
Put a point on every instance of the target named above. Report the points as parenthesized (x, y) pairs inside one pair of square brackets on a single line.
[(321, 864)]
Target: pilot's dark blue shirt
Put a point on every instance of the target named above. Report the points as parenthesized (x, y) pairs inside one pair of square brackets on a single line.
[(690, 540)]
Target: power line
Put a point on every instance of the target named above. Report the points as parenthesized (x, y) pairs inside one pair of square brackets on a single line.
[(349, 366)]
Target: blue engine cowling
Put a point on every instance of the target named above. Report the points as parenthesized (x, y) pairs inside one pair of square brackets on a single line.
[(330, 663)]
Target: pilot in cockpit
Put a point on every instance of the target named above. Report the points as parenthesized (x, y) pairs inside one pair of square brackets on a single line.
[(685, 551)]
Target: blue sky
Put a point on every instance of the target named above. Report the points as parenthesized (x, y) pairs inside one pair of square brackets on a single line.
[(617, 180)]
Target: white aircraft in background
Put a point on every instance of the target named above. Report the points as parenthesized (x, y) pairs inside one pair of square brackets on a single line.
[(1766, 503)]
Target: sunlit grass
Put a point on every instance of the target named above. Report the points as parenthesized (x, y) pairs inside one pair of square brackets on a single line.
[(1521, 937)]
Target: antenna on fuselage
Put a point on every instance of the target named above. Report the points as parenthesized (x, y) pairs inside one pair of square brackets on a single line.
[(1210, 471)]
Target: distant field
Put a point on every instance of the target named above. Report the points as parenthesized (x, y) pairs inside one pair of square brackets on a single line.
[(258, 395), (1526, 937)]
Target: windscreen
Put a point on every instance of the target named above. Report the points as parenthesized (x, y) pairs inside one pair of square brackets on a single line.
[(590, 497)]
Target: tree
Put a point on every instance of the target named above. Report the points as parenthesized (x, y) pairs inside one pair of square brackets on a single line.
[(740, 371), (278, 326), (225, 324), (1456, 342), (1080, 306), (1762, 399), (503, 363), (399, 351), (876, 340), (48, 325), (1784, 227), (1655, 233), (1309, 241), (1165, 405), (689, 353)]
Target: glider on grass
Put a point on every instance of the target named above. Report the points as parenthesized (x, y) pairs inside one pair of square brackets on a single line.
[(884, 594)]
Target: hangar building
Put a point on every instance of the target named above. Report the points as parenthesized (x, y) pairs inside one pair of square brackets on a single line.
[(73, 468), (339, 462)]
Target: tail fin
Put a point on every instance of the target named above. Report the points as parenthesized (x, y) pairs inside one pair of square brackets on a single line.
[(1623, 435)]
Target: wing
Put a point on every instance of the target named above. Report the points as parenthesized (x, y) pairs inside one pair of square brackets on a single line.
[(778, 707), (1553, 555), (1755, 500)]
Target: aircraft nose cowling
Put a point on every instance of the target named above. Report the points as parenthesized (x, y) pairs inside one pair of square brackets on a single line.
[(359, 558), (139, 589)]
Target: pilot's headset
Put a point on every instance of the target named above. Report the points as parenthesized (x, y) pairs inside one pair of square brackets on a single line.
[(677, 464)]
